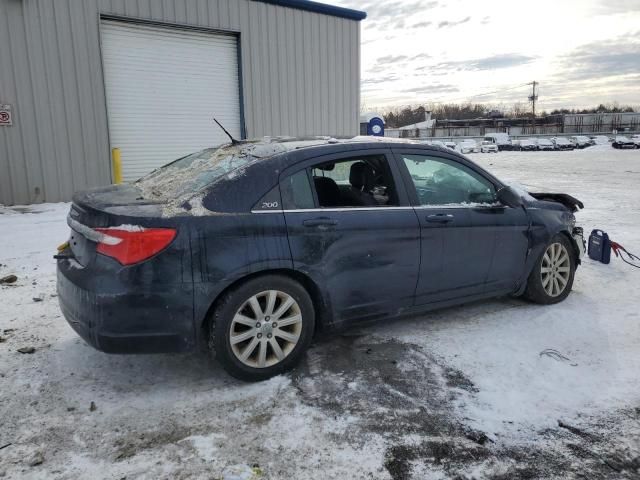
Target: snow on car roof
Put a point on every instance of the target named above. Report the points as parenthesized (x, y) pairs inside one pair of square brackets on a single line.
[(195, 171), (270, 146)]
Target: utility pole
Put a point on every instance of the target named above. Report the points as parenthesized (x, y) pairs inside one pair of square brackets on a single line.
[(532, 98)]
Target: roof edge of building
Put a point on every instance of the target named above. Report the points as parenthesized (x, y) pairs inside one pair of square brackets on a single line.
[(318, 7)]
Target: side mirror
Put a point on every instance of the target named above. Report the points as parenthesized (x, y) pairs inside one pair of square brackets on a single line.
[(509, 197)]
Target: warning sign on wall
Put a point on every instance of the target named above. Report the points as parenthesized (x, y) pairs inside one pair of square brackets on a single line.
[(5, 115)]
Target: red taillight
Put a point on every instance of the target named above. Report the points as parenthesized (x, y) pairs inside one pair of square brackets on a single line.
[(133, 245)]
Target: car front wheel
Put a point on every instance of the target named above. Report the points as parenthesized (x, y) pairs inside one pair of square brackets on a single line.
[(262, 328), (552, 277)]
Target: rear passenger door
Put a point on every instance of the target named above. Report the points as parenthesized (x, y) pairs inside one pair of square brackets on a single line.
[(352, 230)]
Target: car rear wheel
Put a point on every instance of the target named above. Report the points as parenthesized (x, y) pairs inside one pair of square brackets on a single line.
[(262, 328), (552, 277)]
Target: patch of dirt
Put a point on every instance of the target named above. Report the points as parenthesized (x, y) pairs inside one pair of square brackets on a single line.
[(394, 387), (400, 458), (130, 445), (409, 397)]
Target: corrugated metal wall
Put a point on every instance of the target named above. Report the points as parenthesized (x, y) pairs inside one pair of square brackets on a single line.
[(301, 76), (601, 122)]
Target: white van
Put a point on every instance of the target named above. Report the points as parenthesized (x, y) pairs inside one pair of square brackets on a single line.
[(502, 140)]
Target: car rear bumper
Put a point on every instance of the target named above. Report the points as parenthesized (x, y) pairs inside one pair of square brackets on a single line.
[(120, 319)]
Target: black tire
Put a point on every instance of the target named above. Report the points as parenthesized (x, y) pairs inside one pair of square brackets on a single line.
[(221, 323), (535, 291)]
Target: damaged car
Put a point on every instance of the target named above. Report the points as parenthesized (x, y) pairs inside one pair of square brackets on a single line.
[(253, 248)]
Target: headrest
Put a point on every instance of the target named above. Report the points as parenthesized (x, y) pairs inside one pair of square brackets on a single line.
[(327, 167), (361, 176)]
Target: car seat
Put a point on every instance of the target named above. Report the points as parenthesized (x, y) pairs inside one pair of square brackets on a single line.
[(361, 178), (328, 191)]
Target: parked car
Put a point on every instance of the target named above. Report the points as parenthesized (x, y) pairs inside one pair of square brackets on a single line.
[(545, 144), (562, 143), (527, 144), (514, 145), (636, 140), (468, 146), (580, 141), (450, 144), (620, 141), (488, 147), (254, 247), (502, 140), (600, 140)]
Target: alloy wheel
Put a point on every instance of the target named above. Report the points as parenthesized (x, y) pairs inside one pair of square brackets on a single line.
[(555, 270), (265, 329)]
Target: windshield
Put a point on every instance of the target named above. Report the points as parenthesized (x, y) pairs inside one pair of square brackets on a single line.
[(196, 171)]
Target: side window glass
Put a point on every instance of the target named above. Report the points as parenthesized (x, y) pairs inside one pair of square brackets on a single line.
[(355, 182), (442, 182), (269, 201), (296, 191)]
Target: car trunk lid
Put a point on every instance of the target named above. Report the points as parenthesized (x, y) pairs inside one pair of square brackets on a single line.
[(103, 208)]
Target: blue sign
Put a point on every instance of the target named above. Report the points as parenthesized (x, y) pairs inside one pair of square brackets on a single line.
[(375, 127)]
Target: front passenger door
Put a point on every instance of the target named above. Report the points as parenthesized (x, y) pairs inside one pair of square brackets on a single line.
[(449, 198)]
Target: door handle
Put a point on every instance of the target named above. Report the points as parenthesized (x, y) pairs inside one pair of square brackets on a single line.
[(440, 218), (320, 222)]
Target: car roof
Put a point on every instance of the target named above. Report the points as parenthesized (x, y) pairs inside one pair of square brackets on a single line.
[(278, 147), (292, 143)]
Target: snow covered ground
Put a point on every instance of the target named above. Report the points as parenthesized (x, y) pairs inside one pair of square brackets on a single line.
[(499, 389)]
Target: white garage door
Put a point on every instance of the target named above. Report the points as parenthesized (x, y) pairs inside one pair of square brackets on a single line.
[(164, 86)]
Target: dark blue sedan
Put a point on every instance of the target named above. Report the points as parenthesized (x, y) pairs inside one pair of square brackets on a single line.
[(254, 247)]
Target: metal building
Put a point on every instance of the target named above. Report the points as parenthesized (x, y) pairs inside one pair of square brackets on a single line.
[(601, 122), (79, 77)]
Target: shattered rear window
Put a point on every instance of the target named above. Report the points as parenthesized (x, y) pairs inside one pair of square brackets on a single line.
[(194, 172)]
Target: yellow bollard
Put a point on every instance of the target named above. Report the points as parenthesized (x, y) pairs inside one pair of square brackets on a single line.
[(117, 165)]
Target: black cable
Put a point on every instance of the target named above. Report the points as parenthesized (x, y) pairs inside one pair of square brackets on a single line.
[(628, 262), (619, 250)]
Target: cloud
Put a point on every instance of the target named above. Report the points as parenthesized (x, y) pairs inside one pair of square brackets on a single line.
[(383, 79), (391, 15), (441, 88), (397, 8), (501, 61), (448, 24), (494, 62), (613, 7), (389, 59), (421, 25), (558, 93), (619, 56)]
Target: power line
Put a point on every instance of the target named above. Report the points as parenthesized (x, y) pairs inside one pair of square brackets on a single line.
[(498, 91)]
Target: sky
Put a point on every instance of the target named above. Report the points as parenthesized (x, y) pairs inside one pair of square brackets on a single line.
[(582, 52)]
